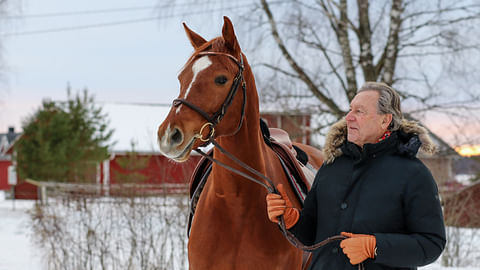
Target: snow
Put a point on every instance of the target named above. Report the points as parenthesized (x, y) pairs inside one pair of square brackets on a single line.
[(18, 252), (436, 266), (129, 127), (465, 179)]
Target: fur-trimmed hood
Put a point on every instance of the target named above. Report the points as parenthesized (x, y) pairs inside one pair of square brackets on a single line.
[(337, 135)]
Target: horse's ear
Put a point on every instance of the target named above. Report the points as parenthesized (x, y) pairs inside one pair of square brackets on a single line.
[(194, 38), (229, 35)]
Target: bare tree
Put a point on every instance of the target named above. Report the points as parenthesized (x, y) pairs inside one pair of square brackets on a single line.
[(80, 231), (3, 4), (7, 9), (324, 50)]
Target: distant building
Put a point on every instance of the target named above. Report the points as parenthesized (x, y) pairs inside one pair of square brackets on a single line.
[(156, 173), (159, 170), (6, 143), (441, 164), (296, 124)]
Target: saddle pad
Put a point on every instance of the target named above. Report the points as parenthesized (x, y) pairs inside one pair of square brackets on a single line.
[(197, 183)]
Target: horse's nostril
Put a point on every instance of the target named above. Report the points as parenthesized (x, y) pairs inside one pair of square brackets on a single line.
[(176, 136)]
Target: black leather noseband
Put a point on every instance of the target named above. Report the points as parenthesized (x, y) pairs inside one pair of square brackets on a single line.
[(216, 117)]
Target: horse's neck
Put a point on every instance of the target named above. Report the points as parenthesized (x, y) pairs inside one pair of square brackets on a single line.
[(248, 146)]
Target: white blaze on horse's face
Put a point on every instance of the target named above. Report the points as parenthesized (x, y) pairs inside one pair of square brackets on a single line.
[(200, 64)]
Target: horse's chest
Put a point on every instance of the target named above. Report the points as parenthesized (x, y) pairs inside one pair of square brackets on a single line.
[(234, 233), (218, 215)]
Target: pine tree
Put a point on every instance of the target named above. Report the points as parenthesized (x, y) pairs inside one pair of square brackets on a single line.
[(64, 141)]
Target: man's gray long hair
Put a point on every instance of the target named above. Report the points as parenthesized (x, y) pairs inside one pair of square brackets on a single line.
[(388, 102)]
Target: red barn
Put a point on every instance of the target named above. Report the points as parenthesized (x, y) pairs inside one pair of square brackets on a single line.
[(296, 124), (6, 144), (149, 169), (462, 207), (5, 163)]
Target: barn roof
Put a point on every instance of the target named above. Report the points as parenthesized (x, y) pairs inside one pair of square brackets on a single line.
[(135, 123), (6, 141)]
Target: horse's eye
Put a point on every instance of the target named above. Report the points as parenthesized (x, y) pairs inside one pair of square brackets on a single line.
[(221, 80)]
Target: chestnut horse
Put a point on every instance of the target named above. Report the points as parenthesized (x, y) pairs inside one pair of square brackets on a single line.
[(231, 229)]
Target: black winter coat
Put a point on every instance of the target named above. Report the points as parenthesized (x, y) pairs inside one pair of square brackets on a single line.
[(382, 190)]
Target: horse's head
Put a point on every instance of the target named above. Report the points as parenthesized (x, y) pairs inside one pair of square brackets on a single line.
[(209, 103)]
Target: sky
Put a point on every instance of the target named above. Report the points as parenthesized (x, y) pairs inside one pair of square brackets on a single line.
[(122, 51), (136, 60)]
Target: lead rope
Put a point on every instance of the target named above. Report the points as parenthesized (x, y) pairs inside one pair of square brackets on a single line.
[(270, 187)]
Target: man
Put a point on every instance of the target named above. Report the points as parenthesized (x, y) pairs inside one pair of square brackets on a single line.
[(371, 189)]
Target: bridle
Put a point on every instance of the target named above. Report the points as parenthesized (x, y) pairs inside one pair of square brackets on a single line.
[(214, 119)]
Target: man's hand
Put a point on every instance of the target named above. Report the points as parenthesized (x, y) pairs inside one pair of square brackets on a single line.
[(358, 247), (280, 204)]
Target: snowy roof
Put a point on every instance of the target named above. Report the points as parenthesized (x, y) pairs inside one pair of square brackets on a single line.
[(135, 123), (7, 140)]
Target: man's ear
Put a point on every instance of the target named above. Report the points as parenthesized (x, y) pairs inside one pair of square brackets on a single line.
[(387, 119)]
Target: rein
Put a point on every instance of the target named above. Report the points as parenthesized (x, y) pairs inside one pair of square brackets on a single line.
[(271, 189), (213, 121)]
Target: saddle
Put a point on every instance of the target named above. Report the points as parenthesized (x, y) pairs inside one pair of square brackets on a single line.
[(294, 161)]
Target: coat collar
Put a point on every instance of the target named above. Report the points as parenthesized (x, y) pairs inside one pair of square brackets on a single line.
[(337, 136)]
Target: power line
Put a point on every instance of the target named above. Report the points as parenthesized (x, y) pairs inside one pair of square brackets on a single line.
[(101, 11), (147, 104), (115, 23), (80, 27), (73, 13)]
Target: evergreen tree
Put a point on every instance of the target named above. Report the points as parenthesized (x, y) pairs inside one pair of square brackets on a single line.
[(64, 141)]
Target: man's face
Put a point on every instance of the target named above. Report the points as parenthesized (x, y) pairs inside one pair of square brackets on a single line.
[(364, 124)]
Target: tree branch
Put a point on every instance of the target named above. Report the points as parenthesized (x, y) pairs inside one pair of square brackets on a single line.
[(293, 64), (325, 53), (391, 48), (341, 31), (277, 69), (365, 37)]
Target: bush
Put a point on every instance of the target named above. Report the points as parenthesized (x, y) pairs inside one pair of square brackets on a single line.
[(113, 233)]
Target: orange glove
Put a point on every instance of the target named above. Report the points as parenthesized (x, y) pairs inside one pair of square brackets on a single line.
[(278, 205), (358, 247)]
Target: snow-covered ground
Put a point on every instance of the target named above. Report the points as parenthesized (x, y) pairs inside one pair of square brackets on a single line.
[(18, 252)]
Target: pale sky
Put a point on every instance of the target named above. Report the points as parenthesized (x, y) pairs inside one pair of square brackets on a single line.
[(131, 62), (136, 60)]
